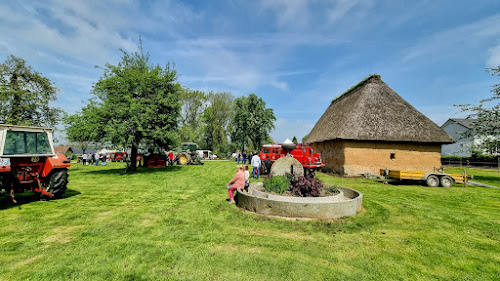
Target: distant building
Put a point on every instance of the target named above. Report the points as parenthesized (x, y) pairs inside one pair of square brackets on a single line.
[(463, 145), (370, 127), (456, 128)]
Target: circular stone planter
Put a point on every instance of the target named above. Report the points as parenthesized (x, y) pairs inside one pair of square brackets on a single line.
[(345, 204)]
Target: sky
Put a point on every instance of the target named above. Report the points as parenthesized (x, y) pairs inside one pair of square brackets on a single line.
[(296, 55)]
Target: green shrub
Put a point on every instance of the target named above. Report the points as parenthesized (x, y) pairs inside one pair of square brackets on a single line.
[(332, 188), (277, 184)]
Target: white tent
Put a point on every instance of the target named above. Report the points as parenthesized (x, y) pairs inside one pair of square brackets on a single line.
[(287, 141)]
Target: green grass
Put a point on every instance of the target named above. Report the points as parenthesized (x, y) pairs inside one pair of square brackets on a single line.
[(174, 224), (487, 176)]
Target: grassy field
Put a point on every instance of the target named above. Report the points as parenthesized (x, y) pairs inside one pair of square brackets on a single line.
[(174, 224), (487, 176)]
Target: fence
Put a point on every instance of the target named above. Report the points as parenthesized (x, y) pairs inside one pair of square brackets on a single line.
[(485, 163)]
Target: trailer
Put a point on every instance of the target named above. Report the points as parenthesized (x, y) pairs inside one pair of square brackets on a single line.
[(432, 179)]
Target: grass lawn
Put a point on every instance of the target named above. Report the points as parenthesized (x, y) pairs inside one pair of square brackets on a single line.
[(174, 224), (487, 176)]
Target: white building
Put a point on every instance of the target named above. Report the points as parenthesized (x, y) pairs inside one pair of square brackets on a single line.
[(462, 146)]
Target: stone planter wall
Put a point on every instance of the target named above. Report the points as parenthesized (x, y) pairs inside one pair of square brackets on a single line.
[(347, 203)]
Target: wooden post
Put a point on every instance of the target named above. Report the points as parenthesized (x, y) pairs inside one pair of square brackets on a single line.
[(464, 175)]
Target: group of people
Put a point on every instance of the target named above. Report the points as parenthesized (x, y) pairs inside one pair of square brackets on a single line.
[(241, 179), (93, 159)]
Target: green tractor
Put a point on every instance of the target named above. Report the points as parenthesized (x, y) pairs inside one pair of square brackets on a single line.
[(187, 155)]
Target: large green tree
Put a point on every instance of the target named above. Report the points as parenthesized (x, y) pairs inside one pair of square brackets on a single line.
[(193, 106), (86, 126), (252, 122), (487, 113), (140, 103), (216, 117), (25, 95)]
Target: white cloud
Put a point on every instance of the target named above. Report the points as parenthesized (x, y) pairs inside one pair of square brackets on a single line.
[(446, 42), (290, 13), (494, 57)]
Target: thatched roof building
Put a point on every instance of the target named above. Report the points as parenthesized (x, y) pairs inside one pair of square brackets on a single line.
[(375, 118)]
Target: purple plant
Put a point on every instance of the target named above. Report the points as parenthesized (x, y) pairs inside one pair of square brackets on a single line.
[(306, 186)]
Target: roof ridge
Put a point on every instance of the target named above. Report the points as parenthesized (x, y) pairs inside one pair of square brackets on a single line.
[(359, 84)]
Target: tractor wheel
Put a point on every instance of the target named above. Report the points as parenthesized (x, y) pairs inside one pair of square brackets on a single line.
[(446, 181), (432, 181), (184, 158), (58, 182)]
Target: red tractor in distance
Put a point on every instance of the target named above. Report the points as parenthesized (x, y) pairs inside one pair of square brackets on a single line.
[(301, 151), (28, 162)]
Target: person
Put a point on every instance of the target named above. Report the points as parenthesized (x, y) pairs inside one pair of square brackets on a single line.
[(247, 177), (170, 158), (97, 158), (103, 160), (236, 183), (239, 158), (84, 159), (244, 155), (256, 165), (268, 164)]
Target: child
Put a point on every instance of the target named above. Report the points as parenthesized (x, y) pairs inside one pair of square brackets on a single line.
[(247, 177), (237, 183)]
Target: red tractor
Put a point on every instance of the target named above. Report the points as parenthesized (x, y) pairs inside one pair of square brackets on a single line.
[(28, 162), (301, 151)]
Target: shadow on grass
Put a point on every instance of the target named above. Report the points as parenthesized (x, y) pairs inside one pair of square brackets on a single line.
[(29, 197), (140, 170)]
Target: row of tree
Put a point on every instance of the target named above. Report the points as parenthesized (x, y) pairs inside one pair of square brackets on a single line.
[(135, 105)]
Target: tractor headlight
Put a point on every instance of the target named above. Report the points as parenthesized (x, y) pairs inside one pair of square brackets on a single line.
[(4, 161)]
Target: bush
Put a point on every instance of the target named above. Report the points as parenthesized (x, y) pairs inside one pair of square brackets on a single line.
[(277, 184), (306, 186), (332, 189)]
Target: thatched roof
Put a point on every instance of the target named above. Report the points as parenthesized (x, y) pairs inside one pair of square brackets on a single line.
[(373, 111)]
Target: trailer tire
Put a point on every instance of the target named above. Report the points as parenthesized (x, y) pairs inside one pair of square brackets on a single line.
[(58, 182), (432, 181), (446, 181)]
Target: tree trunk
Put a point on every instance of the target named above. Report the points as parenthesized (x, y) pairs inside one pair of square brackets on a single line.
[(133, 159)]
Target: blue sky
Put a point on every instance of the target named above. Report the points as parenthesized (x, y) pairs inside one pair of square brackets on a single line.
[(297, 55)]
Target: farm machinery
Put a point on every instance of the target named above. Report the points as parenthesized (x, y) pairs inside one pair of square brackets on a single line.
[(187, 155), (302, 152), (28, 162)]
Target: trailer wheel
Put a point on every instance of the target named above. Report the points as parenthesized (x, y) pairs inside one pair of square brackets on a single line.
[(58, 182), (432, 181), (184, 158), (446, 181)]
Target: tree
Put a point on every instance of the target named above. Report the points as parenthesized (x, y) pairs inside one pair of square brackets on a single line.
[(140, 103), (86, 127), (193, 106), (304, 138), (295, 141), (216, 118), (487, 125), (252, 122), (25, 95)]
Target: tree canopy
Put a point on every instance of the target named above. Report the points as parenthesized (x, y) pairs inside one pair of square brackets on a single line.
[(487, 113), (25, 95), (252, 122), (136, 103), (216, 118)]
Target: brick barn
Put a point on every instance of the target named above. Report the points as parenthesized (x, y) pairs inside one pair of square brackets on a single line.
[(370, 127)]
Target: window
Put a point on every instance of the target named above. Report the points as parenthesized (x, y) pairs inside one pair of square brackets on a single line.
[(393, 156), (26, 143)]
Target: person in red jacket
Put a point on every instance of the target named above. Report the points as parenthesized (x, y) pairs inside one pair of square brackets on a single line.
[(237, 183)]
